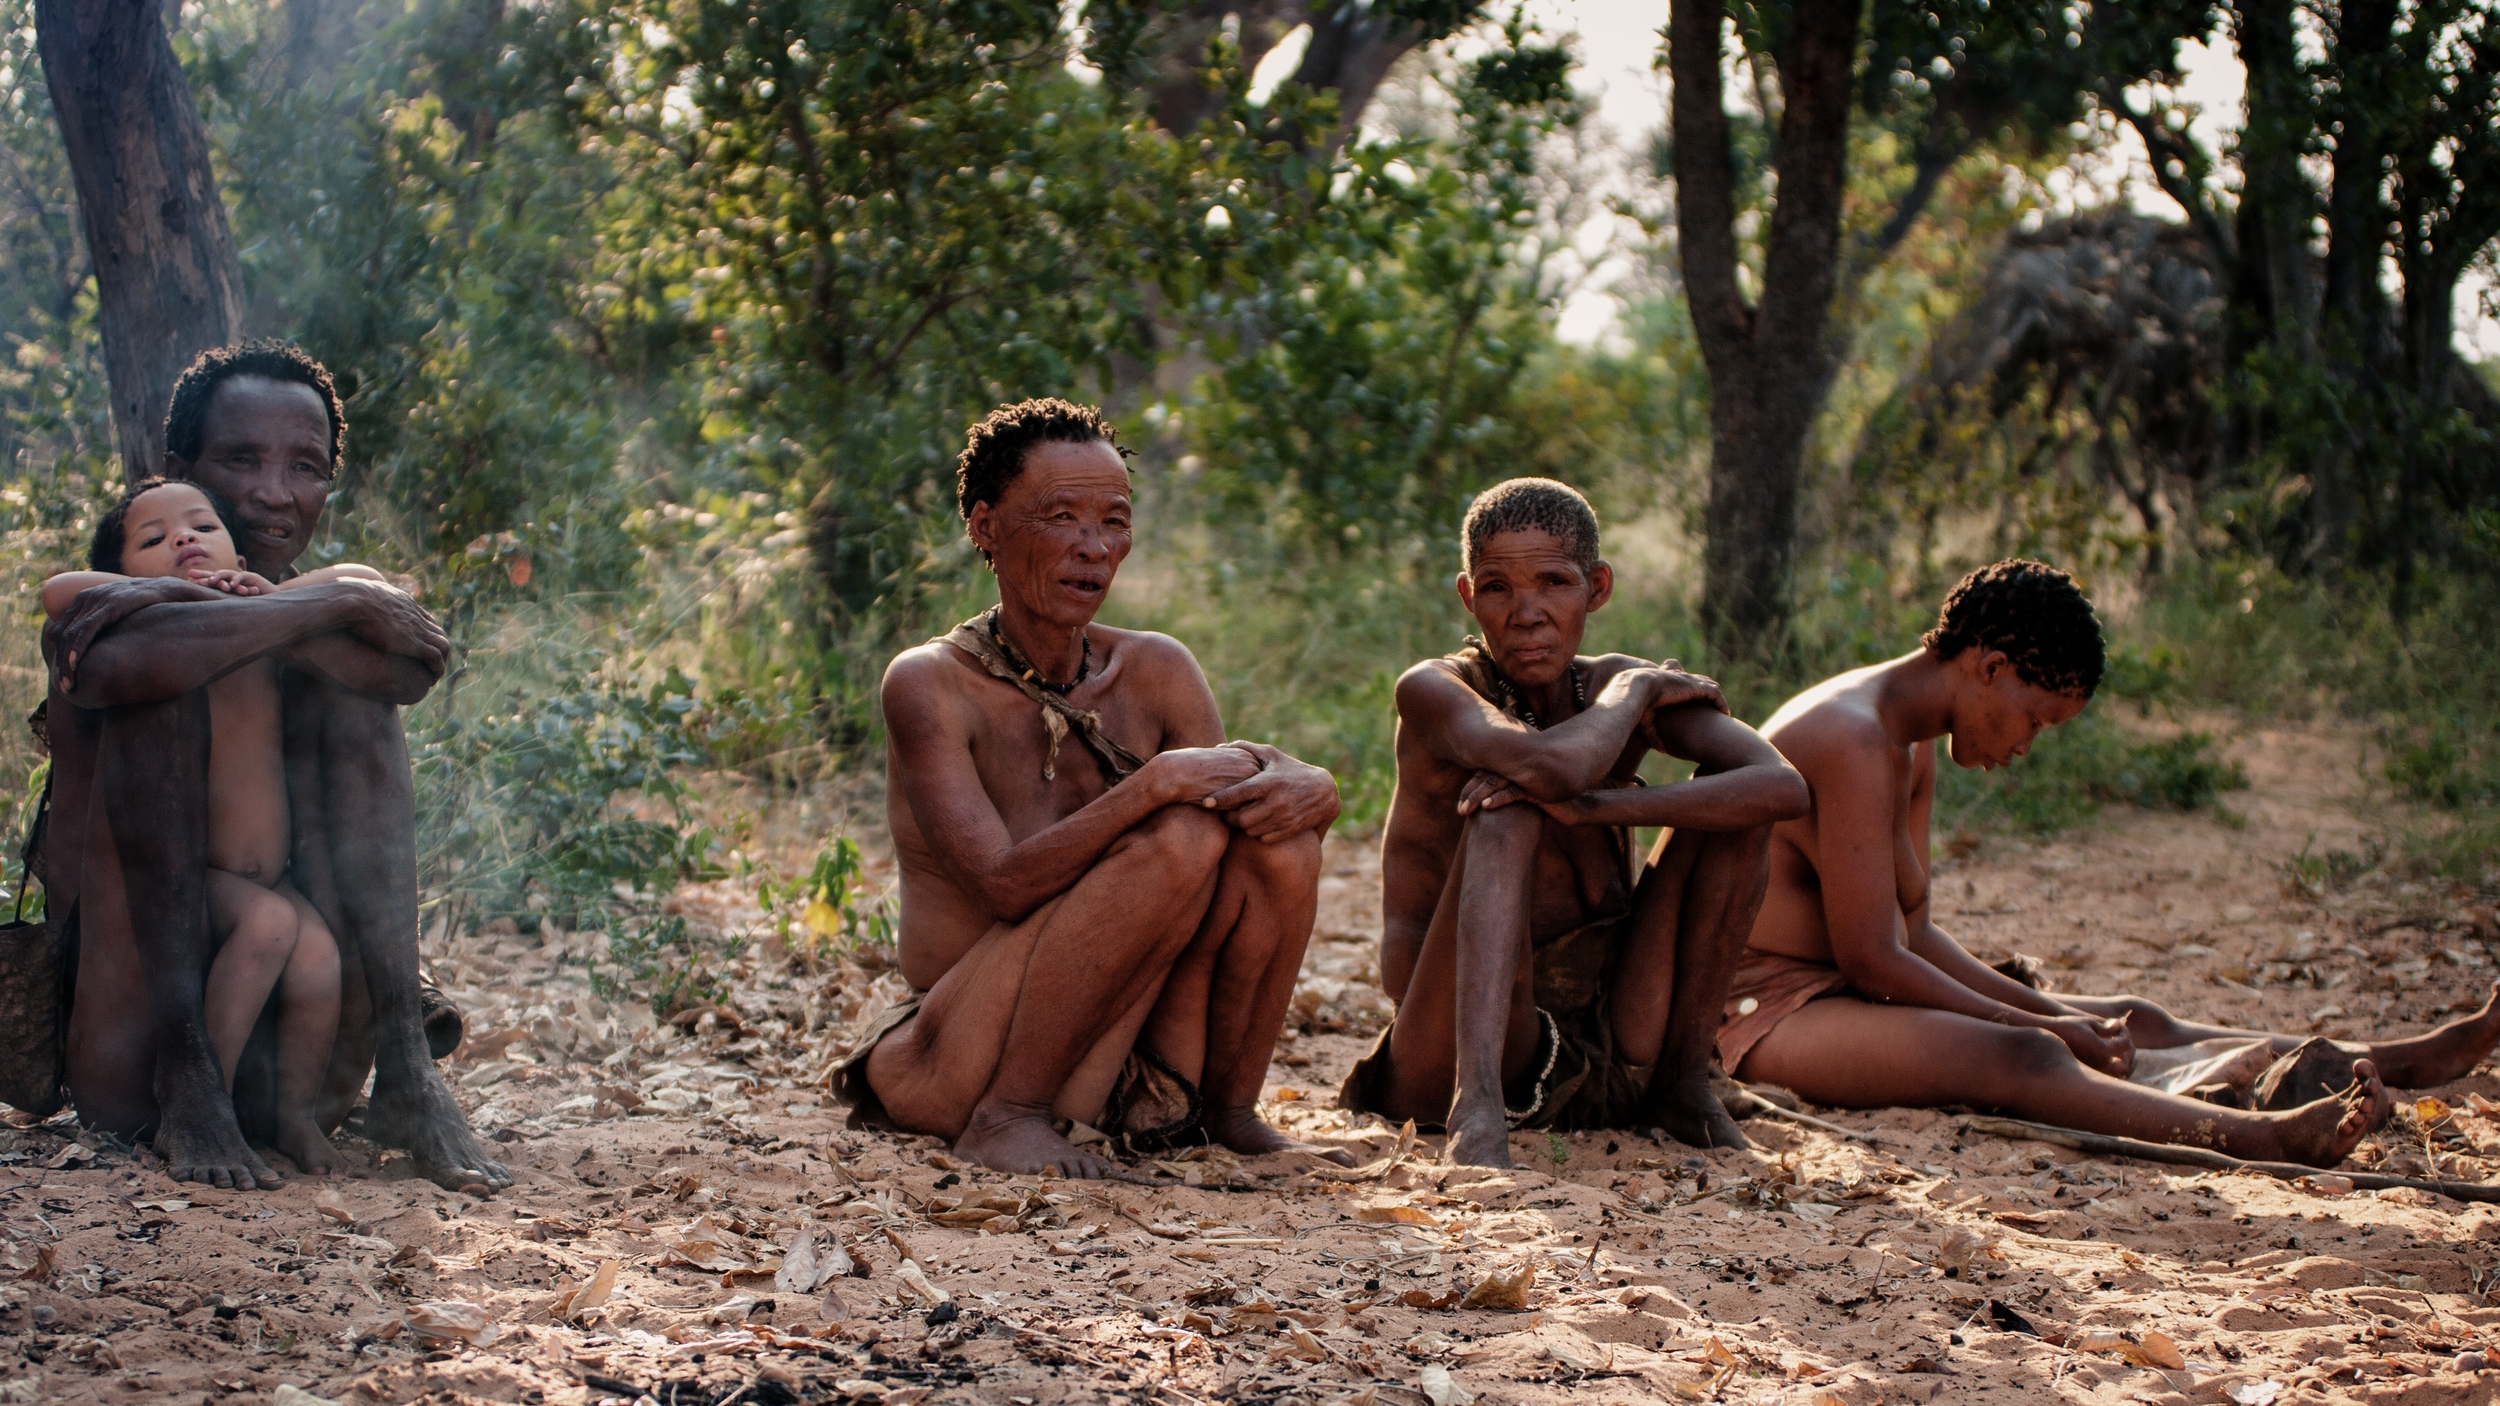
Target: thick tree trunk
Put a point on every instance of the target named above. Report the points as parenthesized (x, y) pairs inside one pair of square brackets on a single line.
[(2353, 313), (167, 281), (1769, 365)]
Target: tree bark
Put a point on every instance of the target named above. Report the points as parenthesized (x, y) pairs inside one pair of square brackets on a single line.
[(168, 283), (1769, 365)]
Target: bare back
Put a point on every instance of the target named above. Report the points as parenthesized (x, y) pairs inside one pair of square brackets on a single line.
[(1832, 734), (964, 762)]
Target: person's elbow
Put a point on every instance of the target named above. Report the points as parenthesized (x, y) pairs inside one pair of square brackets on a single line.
[(1784, 792), (407, 681), (1545, 777), (1877, 973)]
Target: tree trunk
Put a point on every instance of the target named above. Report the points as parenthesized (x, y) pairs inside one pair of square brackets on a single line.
[(167, 281), (1770, 365), (2354, 311)]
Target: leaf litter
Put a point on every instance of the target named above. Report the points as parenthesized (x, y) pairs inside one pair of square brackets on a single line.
[(689, 1209)]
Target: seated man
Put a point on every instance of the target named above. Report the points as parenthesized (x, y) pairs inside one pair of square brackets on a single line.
[(1104, 903), (127, 846), (1542, 980), (1851, 995)]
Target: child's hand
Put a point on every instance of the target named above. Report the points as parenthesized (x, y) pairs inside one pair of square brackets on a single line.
[(234, 582)]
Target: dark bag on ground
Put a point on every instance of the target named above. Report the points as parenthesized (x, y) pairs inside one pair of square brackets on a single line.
[(36, 968)]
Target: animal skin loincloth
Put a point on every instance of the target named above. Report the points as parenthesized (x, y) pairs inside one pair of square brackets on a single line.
[(1151, 1106)]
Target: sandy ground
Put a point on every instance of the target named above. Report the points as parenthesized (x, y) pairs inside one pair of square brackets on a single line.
[(687, 1200)]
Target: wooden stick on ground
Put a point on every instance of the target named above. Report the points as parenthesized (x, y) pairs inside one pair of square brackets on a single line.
[(2204, 1157), (1764, 1105)]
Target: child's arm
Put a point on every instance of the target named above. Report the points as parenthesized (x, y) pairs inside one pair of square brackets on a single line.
[(60, 590), (344, 571)]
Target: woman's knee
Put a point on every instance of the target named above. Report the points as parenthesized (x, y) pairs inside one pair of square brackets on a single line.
[(1183, 840), (1283, 865), (1512, 829)]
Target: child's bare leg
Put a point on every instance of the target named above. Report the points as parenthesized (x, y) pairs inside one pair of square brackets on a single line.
[(2417, 1062), (1859, 1055), (256, 935), (308, 1026)]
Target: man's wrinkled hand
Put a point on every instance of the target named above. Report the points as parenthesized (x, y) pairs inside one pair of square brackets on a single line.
[(390, 620), (1680, 686), (1287, 797), (99, 608), (1195, 775)]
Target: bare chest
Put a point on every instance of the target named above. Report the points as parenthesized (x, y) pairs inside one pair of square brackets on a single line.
[(1037, 776)]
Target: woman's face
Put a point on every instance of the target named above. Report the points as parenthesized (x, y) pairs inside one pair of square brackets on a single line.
[(172, 531)]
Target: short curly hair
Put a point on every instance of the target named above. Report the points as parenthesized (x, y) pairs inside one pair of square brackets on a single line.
[(994, 449), (112, 531), (2036, 614), (1518, 504), (186, 419)]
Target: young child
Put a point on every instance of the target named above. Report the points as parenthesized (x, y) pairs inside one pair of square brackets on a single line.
[(268, 937)]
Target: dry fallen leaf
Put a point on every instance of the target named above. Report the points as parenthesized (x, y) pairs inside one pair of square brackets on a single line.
[(27, 1259), (2154, 1349), (1396, 1215), (2430, 1112), (333, 1205), (1307, 1347), (581, 1299), (708, 1245), (453, 1320), (917, 1280), (1504, 1289), (1436, 1385), (1423, 1298), (360, 1244), (800, 1270)]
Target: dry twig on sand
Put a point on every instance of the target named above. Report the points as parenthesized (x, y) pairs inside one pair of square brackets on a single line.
[(2218, 1161)]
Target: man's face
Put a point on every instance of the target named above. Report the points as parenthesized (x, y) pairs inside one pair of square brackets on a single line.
[(1531, 599), (172, 531), (1059, 530), (1997, 716), (266, 446)]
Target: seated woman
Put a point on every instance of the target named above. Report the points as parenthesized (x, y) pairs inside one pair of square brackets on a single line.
[(1850, 994)]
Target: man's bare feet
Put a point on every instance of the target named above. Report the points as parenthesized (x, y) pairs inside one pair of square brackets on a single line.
[(2323, 1133), (299, 1137), (1689, 1111), (197, 1136), (1245, 1132), (1479, 1134), (1026, 1143), (415, 1111), (2450, 1052)]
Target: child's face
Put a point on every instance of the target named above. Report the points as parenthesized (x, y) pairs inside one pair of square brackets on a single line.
[(172, 531)]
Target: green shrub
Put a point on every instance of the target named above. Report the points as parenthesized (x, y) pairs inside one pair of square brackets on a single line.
[(2075, 770)]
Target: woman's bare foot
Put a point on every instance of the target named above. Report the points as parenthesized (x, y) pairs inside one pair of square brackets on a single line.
[(1689, 1111), (2450, 1052), (1479, 1134), (1025, 1142), (1245, 1132), (2323, 1133), (300, 1139)]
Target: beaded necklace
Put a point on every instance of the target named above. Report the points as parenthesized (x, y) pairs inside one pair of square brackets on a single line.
[(1032, 675)]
